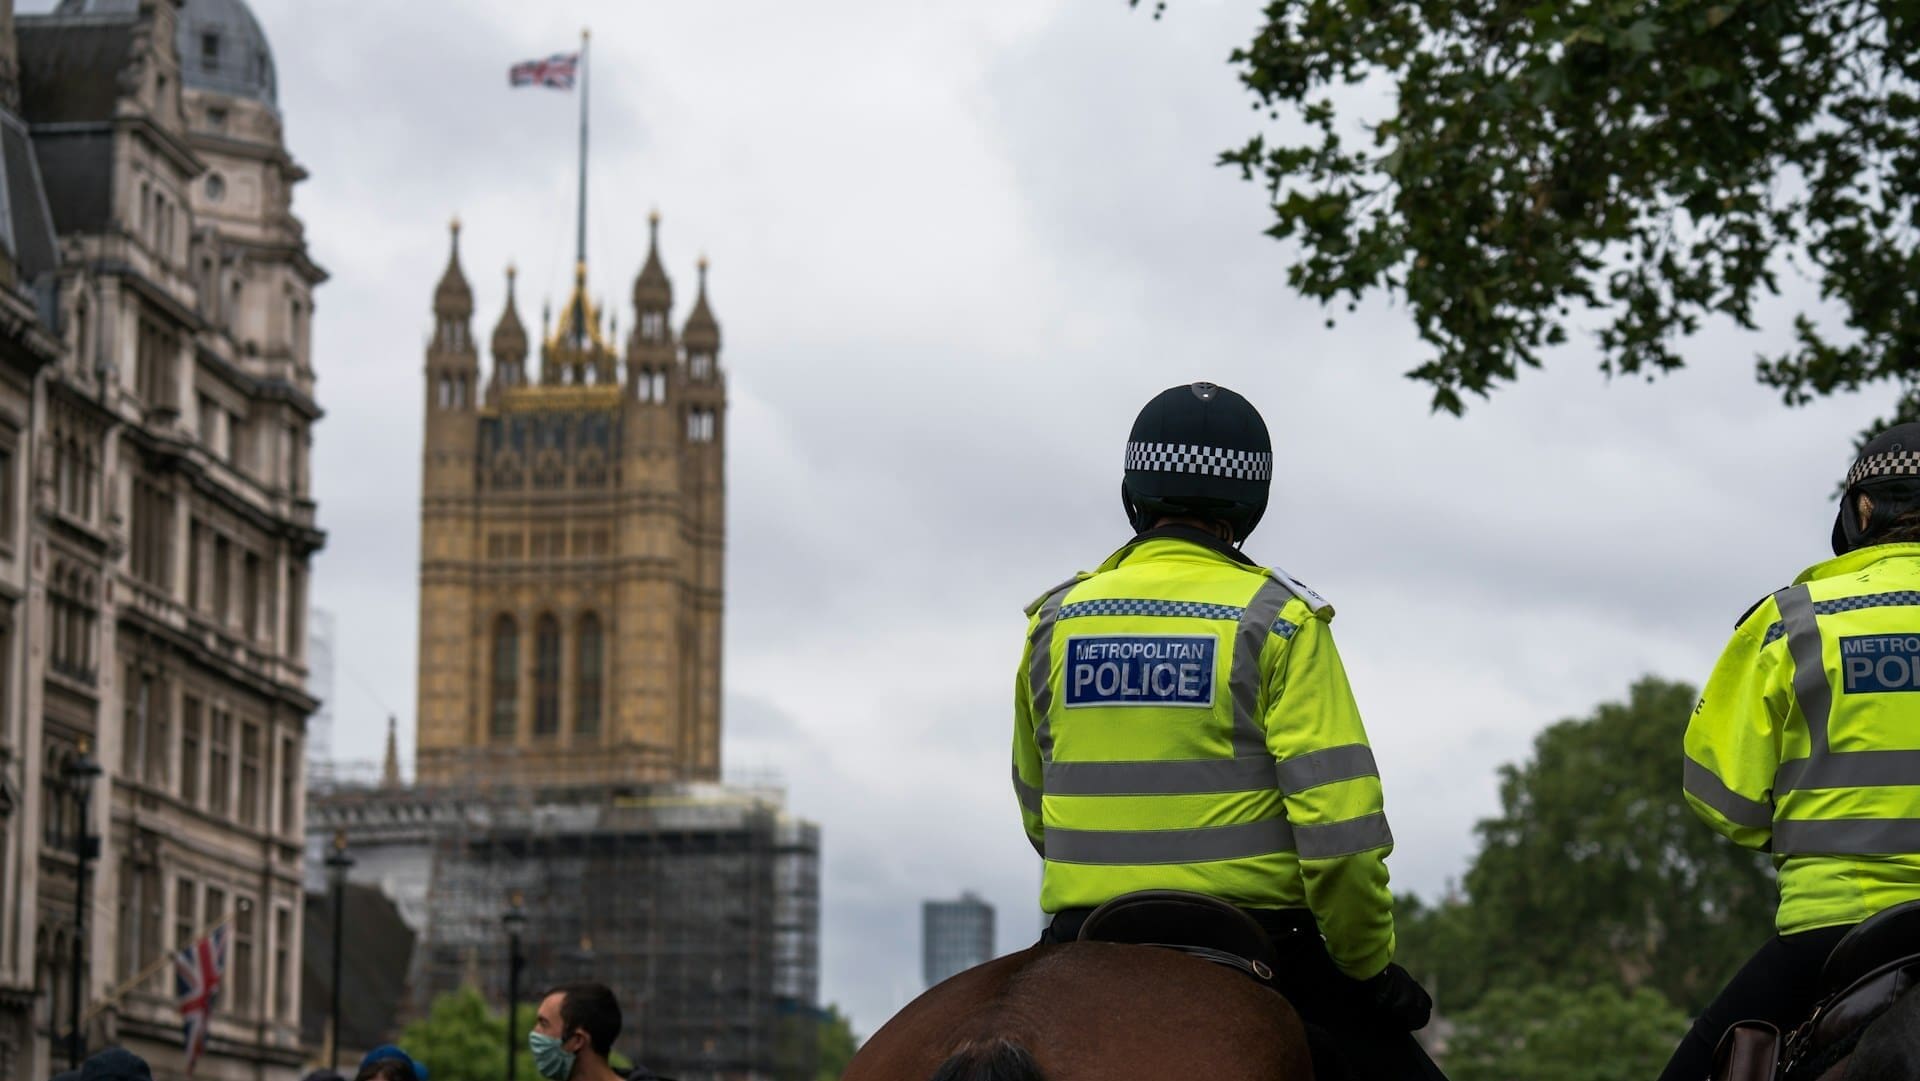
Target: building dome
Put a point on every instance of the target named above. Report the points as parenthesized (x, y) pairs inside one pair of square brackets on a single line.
[(222, 47)]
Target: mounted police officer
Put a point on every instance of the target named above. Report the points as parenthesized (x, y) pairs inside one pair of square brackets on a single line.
[(1182, 721), (1806, 743)]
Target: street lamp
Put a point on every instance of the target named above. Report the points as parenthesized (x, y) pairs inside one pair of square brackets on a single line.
[(515, 920), (80, 772), (337, 864)]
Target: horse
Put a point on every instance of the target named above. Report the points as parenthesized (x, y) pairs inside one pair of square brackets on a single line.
[(1888, 1049), (1087, 1011)]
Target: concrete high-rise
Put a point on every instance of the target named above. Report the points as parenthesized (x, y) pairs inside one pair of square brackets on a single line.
[(954, 936)]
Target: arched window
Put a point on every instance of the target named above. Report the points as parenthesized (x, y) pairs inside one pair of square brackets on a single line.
[(506, 679), (586, 720), (546, 677)]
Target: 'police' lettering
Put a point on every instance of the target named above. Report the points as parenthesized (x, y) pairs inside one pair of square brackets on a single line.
[(1140, 670), (1876, 663)]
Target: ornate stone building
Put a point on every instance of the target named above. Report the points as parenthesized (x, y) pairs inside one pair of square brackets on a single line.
[(572, 534), (156, 526)]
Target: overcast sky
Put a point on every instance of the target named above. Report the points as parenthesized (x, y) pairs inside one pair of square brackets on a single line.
[(955, 247)]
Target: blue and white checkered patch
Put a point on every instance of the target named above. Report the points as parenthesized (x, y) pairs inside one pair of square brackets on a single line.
[(1192, 458), (1894, 599), (1178, 609)]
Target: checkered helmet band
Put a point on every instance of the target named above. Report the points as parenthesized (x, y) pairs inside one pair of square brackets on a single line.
[(1895, 463), (1208, 461)]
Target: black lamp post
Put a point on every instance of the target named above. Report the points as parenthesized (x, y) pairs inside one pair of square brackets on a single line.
[(337, 864), (515, 920), (80, 772)]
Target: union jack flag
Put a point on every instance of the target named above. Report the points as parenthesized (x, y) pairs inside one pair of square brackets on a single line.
[(556, 71), (197, 973)]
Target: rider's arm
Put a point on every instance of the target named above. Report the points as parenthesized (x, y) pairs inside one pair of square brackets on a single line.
[(1026, 756), (1733, 740), (1332, 793)]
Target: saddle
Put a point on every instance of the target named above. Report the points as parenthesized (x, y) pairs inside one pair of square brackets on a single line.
[(1191, 923), (1876, 963)]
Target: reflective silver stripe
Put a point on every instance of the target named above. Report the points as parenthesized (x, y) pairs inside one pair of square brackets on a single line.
[(1180, 777), (1704, 785), (1249, 728), (1848, 769), (1325, 766), (1810, 686), (1122, 847), (1040, 667), (1847, 837), (1029, 795), (1325, 840)]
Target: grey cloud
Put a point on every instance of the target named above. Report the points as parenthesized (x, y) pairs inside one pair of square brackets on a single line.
[(955, 247)]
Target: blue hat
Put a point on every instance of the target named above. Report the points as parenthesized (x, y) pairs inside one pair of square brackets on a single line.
[(387, 1050)]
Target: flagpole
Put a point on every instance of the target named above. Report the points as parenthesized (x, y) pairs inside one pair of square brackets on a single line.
[(128, 985), (580, 222)]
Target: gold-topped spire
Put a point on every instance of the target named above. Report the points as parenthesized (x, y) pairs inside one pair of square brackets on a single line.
[(452, 299), (578, 331)]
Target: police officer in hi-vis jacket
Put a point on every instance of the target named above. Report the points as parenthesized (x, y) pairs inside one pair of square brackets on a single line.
[(1182, 721), (1806, 743)]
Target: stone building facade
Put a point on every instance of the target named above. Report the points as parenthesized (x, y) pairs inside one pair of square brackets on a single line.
[(571, 542), (156, 526)]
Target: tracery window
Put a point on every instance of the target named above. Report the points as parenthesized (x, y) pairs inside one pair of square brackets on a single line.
[(506, 679), (546, 677), (588, 650)]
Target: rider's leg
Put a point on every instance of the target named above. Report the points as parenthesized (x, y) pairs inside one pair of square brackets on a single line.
[(1371, 1044), (1065, 925), (1777, 984)]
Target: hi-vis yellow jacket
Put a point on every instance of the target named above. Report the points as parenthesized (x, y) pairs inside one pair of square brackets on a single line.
[(1806, 741), (1182, 721)]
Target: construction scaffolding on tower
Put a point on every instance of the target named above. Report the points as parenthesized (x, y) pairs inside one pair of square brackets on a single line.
[(697, 902)]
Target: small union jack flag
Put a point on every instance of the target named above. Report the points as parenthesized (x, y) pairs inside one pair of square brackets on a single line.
[(197, 973), (556, 71)]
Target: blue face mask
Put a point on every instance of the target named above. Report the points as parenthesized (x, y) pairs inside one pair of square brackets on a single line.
[(550, 1059)]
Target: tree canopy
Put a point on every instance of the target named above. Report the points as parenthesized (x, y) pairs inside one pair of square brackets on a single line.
[(1639, 165), (1553, 1033), (1595, 873)]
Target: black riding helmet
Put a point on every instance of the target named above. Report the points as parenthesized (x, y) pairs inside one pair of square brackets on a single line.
[(1888, 472), (1200, 451)]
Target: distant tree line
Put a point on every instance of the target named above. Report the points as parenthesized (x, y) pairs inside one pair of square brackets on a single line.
[(1597, 915)]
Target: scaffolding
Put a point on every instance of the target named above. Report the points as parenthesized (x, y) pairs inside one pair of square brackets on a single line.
[(697, 903)]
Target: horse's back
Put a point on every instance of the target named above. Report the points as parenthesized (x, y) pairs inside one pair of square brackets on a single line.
[(1085, 1011)]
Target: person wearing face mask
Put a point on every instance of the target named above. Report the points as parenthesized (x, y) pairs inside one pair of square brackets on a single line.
[(573, 1033)]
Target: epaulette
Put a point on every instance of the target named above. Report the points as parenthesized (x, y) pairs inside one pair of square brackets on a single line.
[(1320, 605), (1751, 609), (1078, 577)]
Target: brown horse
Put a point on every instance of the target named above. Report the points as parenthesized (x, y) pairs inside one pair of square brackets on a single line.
[(1087, 1011), (1887, 1050)]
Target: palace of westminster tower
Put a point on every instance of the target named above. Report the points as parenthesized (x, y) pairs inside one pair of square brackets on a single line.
[(571, 543)]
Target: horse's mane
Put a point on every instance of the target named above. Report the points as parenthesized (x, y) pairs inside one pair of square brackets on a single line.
[(996, 1059)]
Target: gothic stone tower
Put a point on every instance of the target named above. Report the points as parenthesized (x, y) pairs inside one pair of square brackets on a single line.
[(572, 529)]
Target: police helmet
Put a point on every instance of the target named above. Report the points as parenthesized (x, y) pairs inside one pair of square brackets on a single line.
[(1200, 451), (1888, 472)]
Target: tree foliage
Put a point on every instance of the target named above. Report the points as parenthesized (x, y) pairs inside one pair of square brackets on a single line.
[(1595, 873), (461, 1040), (1644, 165), (1597, 868), (1554, 1033), (837, 1044)]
